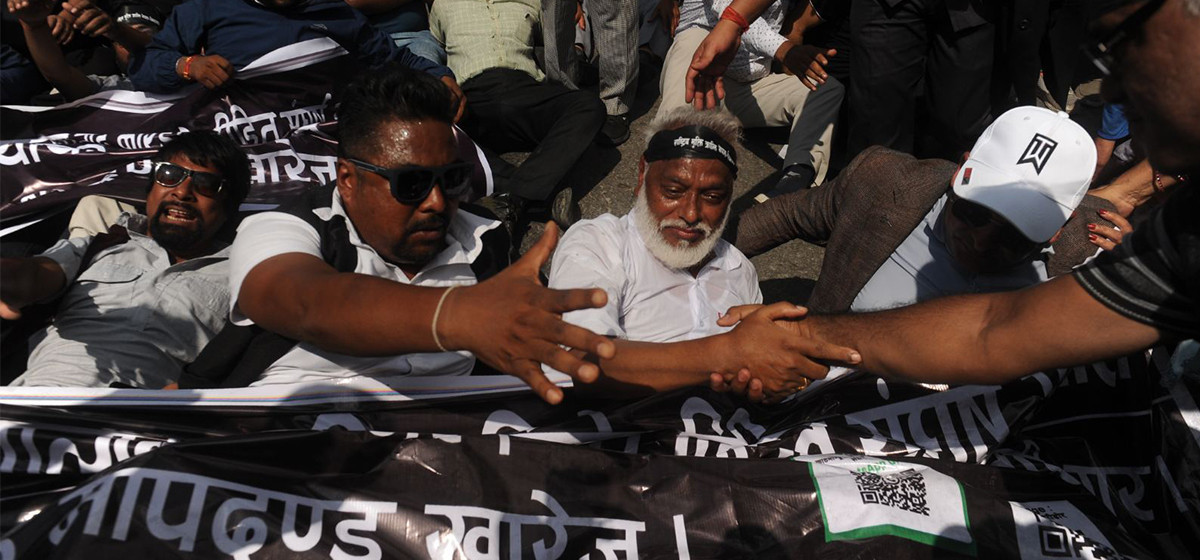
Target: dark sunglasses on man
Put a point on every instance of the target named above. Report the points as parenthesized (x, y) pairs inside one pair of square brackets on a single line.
[(1012, 241), (170, 175), (410, 184), (1103, 52)]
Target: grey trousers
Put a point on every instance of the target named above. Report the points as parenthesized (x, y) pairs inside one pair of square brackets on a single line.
[(614, 26)]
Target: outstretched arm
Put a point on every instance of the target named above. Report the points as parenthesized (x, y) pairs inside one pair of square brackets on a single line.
[(992, 338), (774, 356), (510, 321), (704, 77), (44, 49), (972, 339), (27, 281)]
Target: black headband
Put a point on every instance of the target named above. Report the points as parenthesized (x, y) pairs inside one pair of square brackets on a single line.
[(691, 141)]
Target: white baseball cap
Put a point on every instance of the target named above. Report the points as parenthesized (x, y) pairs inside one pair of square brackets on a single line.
[(1032, 166)]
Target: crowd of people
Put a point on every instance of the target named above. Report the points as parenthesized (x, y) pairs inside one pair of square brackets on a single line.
[(970, 236)]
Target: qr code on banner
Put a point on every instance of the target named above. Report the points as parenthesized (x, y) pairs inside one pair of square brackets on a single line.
[(902, 490), (1060, 542)]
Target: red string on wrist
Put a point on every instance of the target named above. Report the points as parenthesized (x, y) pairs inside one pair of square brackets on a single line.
[(187, 68), (739, 20)]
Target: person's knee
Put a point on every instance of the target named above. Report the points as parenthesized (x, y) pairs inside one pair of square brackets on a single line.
[(587, 109)]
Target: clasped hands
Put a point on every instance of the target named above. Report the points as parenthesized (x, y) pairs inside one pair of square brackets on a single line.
[(777, 352)]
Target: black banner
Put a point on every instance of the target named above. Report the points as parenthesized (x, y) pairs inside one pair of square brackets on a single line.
[(1093, 462), (279, 108)]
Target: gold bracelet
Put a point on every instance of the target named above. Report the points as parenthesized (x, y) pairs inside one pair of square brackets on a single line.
[(437, 313)]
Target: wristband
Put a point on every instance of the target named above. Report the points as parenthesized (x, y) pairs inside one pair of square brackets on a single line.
[(737, 19), (187, 68), (437, 313)]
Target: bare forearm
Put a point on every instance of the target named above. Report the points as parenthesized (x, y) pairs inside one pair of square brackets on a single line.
[(26, 281), (662, 366), (129, 37), (1134, 187), (346, 313), (750, 9), (988, 338), (48, 57)]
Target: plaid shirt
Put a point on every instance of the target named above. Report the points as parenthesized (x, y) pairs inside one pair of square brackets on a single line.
[(483, 34)]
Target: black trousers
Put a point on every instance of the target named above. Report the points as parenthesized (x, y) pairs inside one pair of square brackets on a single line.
[(910, 49), (508, 110)]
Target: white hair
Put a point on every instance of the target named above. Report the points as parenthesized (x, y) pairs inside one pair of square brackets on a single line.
[(1192, 6), (720, 121)]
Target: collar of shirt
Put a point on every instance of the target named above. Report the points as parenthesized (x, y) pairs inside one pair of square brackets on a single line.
[(721, 259), (464, 241)]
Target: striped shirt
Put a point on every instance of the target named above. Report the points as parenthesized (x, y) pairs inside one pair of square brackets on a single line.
[(1154, 276)]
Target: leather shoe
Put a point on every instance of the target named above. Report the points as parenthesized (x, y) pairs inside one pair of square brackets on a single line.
[(564, 210), (615, 130), (507, 207)]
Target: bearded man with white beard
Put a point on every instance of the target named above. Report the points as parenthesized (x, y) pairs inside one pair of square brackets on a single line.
[(669, 275)]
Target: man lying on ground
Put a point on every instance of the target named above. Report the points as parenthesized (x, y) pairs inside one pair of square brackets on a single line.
[(669, 275), (406, 298), (898, 230), (141, 301)]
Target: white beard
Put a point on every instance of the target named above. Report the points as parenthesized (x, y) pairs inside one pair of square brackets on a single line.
[(679, 257)]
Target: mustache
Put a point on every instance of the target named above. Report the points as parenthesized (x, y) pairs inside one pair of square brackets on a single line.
[(433, 223), (190, 210), (678, 223)]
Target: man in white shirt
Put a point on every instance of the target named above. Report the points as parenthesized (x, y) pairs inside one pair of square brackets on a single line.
[(667, 272), (398, 312)]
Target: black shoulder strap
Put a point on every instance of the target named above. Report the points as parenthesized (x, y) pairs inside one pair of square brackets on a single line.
[(239, 354)]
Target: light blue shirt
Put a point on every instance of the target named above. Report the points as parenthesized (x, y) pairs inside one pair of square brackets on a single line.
[(130, 316), (921, 268)]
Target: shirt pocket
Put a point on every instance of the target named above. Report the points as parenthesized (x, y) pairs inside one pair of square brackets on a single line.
[(104, 288)]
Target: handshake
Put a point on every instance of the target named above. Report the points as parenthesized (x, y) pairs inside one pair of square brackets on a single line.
[(780, 352)]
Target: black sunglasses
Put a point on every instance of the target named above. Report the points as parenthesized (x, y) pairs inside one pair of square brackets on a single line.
[(977, 215), (410, 184), (170, 175), (1102, 53)]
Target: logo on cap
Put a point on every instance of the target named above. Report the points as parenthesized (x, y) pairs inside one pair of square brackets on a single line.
[(1038, 152)]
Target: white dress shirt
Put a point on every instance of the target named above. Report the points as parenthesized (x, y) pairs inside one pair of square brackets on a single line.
[(646, 300), (266, 235)]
